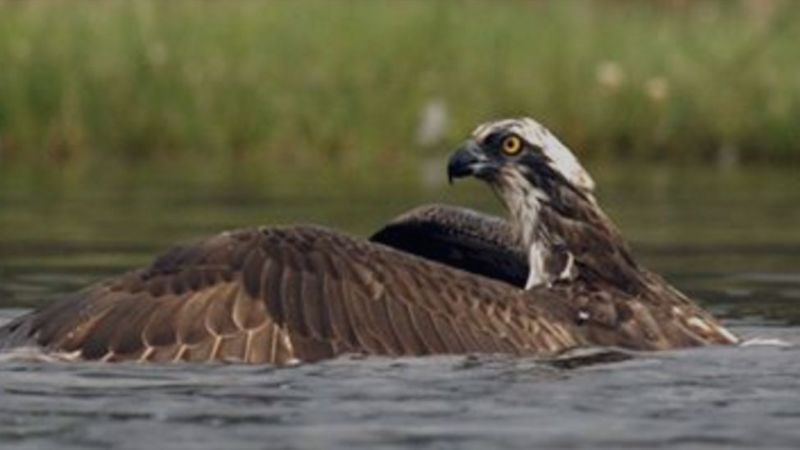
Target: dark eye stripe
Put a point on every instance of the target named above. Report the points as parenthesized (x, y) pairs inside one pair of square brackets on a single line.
[(494, 138)]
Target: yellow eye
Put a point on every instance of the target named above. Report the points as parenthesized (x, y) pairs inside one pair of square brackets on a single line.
[(512, 145)]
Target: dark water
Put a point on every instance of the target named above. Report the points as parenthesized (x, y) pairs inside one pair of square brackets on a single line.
[(731, 239)]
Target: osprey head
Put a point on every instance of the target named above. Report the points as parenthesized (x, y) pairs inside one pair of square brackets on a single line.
[(507, 151), (536, 177)]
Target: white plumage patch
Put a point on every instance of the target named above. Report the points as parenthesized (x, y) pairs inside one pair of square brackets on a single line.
[(728, 335), (704, 326), (700, 324), (536, 273), (569, 267), (37, 354)]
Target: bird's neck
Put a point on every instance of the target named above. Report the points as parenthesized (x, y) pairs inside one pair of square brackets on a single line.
[(549, 258), (557, 227), (525, 205)]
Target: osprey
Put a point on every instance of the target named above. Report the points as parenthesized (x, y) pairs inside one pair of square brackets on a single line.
[(558, 234), (303, 293)]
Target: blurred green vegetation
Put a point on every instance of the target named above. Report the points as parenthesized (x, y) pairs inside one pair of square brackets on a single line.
[(345, 84)]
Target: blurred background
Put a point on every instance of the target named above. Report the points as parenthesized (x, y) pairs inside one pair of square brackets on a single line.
[(376, 84)]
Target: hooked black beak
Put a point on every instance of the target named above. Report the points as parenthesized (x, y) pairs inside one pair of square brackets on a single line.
[(466, 161)]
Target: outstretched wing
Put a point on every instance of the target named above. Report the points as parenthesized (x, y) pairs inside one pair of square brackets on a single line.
[(300, 293), (461, 238)]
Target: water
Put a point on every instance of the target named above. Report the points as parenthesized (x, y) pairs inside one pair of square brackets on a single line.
[(729, 238)]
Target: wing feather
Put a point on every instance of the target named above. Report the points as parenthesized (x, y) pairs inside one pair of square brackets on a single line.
[(232, 348), (340, 324), (190, 325), (314, 309), (160, 330), (301, 293), (219, 321), (403, 327), (363, 326), (424, 325)]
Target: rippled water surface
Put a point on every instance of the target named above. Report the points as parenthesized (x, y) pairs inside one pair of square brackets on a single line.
[(730, 239)]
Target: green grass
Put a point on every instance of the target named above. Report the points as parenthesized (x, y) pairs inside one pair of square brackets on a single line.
[(344, 83)]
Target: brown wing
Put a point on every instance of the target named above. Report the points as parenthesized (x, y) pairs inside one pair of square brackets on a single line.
[(461, 238), (279, 294)]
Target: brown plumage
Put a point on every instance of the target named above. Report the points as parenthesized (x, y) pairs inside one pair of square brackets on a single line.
[(282, 294), (295, 293)]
